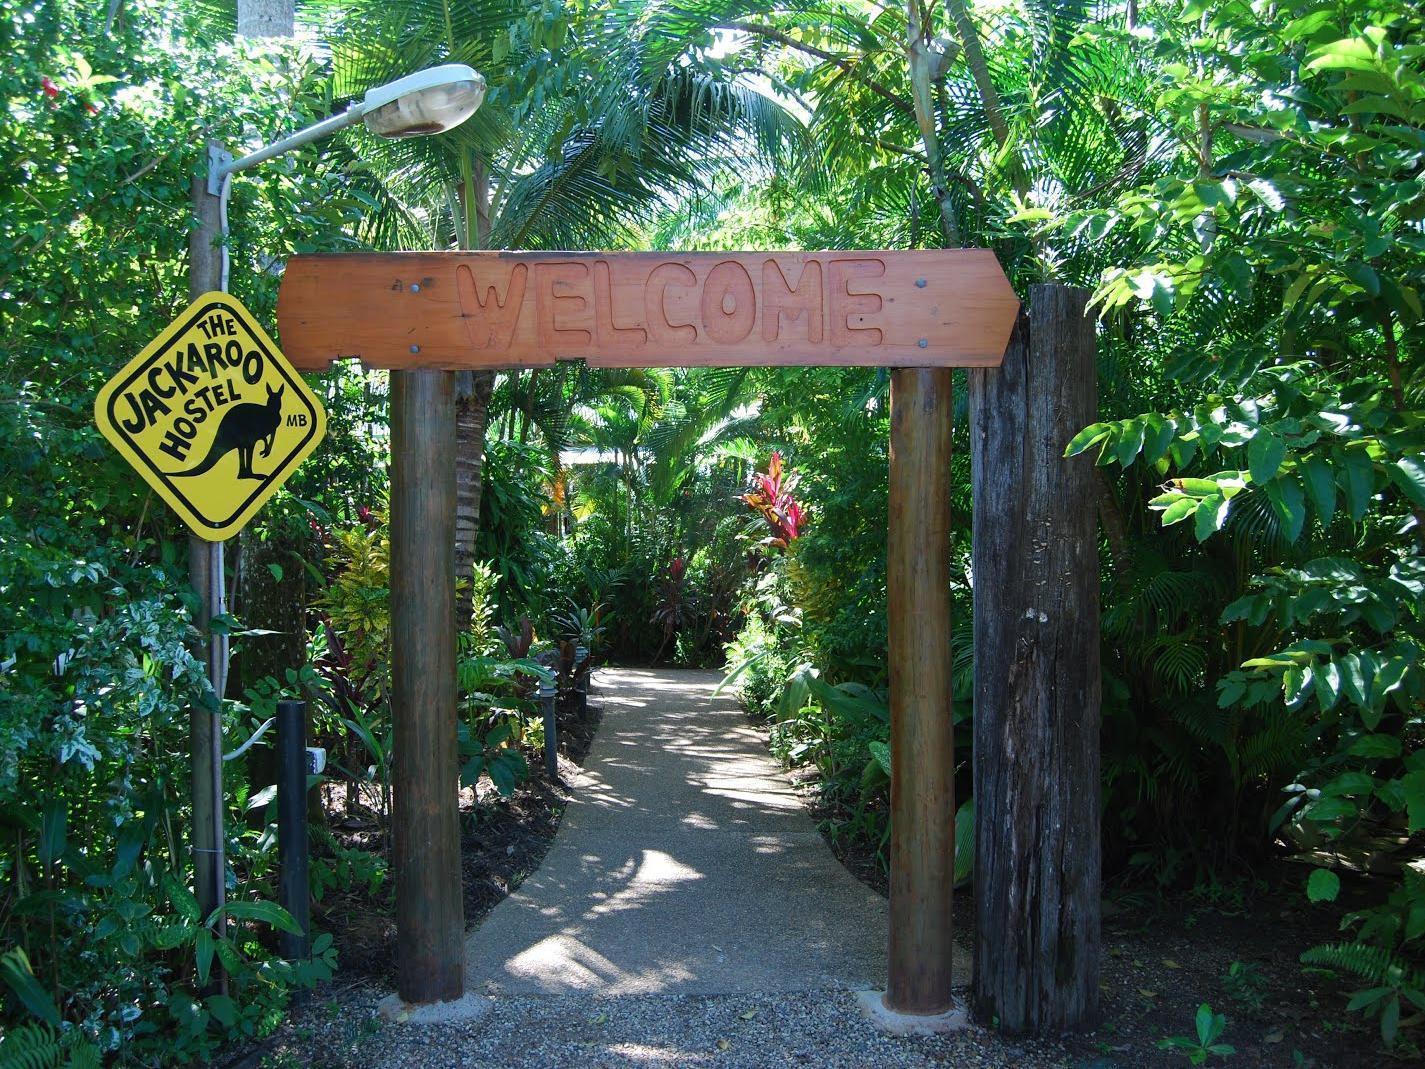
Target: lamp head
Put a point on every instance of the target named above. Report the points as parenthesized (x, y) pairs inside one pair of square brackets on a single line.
[(428, 102)]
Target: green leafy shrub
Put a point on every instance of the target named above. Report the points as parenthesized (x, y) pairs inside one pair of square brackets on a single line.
[(101, 126), (1283, 272)]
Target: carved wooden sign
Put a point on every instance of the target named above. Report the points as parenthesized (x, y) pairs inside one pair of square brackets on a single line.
[(927, 308)]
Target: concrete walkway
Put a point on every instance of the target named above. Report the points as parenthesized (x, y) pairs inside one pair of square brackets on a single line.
[(684, 865)]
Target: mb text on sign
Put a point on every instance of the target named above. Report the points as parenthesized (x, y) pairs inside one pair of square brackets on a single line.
[(212, 416)]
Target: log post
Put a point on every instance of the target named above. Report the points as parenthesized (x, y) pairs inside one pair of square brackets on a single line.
[(922, 746), (1036, 744), (430, 923)]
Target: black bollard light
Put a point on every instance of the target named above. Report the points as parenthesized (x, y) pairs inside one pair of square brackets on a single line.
[(293, 888), (546, 693), (581, 681)]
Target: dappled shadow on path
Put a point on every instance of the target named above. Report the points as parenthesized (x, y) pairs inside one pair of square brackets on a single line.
[(685, 863)]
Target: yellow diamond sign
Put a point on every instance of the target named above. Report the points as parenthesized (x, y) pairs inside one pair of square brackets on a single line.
[(212, 416)]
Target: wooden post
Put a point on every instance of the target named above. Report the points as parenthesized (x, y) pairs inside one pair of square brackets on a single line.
[(1036, 752), (430, 922), (922, 746)]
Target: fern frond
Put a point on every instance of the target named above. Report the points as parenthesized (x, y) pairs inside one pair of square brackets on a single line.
[(1375, 965), (31, 1046)]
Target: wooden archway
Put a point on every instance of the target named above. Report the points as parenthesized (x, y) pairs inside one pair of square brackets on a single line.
[(427, 315)]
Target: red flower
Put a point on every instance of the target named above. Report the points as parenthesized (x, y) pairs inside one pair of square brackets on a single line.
[(51, 90)]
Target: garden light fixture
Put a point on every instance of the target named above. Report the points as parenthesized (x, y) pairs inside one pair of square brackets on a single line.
[(431, 101)]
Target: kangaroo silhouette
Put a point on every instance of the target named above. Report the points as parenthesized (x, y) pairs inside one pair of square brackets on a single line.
[(243, 426)]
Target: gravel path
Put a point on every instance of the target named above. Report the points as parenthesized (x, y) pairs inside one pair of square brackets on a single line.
[(805, 1030)]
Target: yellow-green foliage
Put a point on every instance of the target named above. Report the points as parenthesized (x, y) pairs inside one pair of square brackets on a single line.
[(358, 599)]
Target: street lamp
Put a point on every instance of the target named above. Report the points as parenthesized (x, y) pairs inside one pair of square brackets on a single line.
[(428, 102), (431, 101)]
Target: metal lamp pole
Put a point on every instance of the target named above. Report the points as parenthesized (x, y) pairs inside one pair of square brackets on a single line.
[(427, 102)]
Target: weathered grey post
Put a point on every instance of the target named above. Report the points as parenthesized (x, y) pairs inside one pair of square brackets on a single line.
[(1036, 752), (205, 573), (922, 746), (430, 922)]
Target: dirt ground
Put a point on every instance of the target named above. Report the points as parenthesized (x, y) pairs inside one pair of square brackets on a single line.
[(1166, 955), (503, 840)]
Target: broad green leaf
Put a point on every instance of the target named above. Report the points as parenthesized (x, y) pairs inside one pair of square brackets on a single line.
[(1287, 500), (1323, 885), (1364, 275), (1390, 1019), (1413, 787), (54, 821), (1265, 454), (1376, 746), (1086, 438), (203, 954), (263, 912), (182, 899), (20, 978), (1179, 510), (1351, 782), (1320, 488), (1377, 105), (1158, 438), (1388, 677), (1327, 681), (1196, 487), (1354, 680), (223, 1009), (1408, 473), (1356, 477), (1230, 689), (882, 753), (964, 841), (1351, 53), (1324, 810), (472, 770), (1211, 515), (1130, 442)]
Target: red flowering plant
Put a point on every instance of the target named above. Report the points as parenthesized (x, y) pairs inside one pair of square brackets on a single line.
[(675, 603), (772, 498)]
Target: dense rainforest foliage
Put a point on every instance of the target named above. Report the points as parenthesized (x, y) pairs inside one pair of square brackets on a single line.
[(1241, 185)]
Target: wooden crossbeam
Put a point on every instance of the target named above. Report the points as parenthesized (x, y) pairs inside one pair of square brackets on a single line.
[(463, 310)]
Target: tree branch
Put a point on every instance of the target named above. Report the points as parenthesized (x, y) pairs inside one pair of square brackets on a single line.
[(771, 33)]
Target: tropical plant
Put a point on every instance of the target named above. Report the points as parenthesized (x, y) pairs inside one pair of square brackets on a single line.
[(1199, 1048), (771, 497), (1282, 268), (583, 131)]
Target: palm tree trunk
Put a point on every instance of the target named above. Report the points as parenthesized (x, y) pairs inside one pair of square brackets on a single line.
[(266, 18), (529, 399), (979, 69), (918, 60), (472, 400)]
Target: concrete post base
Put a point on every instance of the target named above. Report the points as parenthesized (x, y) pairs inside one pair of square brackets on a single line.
[(467, 1009), (872, 1005)]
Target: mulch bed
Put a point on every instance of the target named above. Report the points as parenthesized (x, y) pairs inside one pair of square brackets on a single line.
[(503, 840), (1164, 955)]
